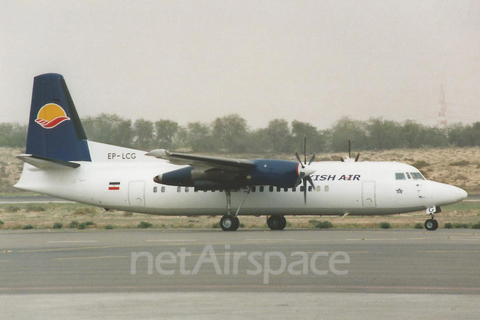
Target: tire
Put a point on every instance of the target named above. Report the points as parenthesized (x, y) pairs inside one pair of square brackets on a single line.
[(431, 224), (284, 223), (276, 222), (236, 223), (229, 223)]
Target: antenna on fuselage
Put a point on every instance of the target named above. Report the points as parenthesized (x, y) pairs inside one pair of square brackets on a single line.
[(349, 158)]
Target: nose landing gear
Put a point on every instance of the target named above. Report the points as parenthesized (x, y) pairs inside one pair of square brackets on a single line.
[(432, 224)]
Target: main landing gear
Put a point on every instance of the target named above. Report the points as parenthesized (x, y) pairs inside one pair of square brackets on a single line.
[(276, 222), (230, 222), (432, 224)]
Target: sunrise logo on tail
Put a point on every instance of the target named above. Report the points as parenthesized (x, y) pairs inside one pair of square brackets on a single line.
[(51, 115)]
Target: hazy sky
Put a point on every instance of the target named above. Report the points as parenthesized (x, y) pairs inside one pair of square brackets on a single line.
[(188, 61)]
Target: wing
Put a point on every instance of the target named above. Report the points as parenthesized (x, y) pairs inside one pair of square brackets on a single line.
[(204, 162)]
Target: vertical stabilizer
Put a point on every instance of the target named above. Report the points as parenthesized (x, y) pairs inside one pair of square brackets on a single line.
[(54, 129)]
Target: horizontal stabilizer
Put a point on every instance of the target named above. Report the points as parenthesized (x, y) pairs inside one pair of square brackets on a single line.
[(44, 163)]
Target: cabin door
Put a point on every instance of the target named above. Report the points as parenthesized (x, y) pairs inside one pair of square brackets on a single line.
[(136, 193), (368, 194)]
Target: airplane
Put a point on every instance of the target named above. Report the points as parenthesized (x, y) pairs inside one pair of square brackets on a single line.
[(59, 161)]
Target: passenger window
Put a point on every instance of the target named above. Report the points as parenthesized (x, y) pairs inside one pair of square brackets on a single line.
[(399, 176), (186, 189), (326, 188), (254, 189), (270, 189), (155, 189), (279, 189), (163, 189), (302, 188), (261, 189), (319, 188), (179, 189), (310, 188), (285, 189)]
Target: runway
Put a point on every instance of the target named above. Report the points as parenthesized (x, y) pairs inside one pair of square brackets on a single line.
[(433, 270)]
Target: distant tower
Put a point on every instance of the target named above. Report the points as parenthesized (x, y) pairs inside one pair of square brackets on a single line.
[(442, 119)]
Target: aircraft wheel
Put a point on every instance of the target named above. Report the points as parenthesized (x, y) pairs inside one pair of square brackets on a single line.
[(276, 222), (229, 223), (431, 224), (284, 223)]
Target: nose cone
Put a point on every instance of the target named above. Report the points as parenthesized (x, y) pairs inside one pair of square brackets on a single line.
[(459, 194), (445, 194), (309, 170), (158, 179), (304, 171)]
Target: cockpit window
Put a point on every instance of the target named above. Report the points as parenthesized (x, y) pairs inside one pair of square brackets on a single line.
[(400, 176), (417, 176)]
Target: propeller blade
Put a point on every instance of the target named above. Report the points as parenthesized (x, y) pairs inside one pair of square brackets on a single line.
[(299, 160), (349, 148), (311, 159), (309, 179), (299, 179), (305, 148), (305, 191), (358, 156)]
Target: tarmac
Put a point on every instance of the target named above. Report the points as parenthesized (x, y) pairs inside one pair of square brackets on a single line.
[(211, 274)]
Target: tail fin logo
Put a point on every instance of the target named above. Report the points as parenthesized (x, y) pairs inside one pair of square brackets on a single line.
[(51, 115)]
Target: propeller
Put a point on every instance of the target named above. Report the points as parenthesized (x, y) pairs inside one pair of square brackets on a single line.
[(304, 174), (349, 158)]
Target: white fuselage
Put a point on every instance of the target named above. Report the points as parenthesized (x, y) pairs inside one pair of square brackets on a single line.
[(122, 179)]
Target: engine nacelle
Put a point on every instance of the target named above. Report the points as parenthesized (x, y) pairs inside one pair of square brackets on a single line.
[(181, 177), (278, 173)]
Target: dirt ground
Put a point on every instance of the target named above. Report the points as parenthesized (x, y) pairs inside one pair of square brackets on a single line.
[(44, 216)]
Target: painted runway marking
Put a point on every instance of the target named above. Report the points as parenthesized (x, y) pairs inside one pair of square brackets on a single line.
[(91, 258), (73, 241), (448, 251), (308, 288), (173, 240), (268, 239), (349, 252), (365, 239)]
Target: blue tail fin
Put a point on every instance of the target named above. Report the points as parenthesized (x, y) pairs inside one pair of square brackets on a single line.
[(54, 130)]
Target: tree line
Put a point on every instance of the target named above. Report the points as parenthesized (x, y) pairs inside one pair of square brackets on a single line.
[(231, 134)]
